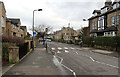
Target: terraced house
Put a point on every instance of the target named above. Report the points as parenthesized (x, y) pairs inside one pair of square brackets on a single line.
[(14, 28), (66, 33), (2, 18), (106, 21)]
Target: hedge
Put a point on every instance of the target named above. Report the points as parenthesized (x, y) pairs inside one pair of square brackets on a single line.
[(18, 40), (108, 43)]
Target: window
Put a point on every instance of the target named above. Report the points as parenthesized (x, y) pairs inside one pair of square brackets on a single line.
[(95, 25), (104, 10), (67, 33), (117, 19), (109, 34), (14, 26), (18, 29), (72, 33), (113, 20), (92, 25), (2, 21), (116, 5), (2, 30), (101, 23), (21, 30), (95, 14)]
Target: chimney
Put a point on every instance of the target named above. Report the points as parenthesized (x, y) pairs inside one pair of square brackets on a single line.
[(108, 3)]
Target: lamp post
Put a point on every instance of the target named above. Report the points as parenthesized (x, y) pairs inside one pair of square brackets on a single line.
[(117, 23), (33, 24)]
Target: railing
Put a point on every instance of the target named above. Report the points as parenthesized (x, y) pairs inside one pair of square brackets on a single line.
[(23, 49)]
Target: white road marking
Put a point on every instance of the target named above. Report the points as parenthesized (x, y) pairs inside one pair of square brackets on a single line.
[(72, 48), (58, 52), (101, 62), (53, 48), (66, 51), (59, 48), (107, 64), (65, 48), (66, 66), (76, 52)]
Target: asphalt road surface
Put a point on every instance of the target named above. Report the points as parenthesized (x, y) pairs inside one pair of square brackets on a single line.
[(82, 61), (67, 60)]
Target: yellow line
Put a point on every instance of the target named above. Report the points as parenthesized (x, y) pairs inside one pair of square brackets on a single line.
[(17, 62)]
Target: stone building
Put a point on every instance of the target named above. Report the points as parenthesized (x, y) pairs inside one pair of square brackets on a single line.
[(14, 29), (2, 18), (65, 33), (106, 21)]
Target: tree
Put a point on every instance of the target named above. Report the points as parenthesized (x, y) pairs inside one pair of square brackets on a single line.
[(42, 31)]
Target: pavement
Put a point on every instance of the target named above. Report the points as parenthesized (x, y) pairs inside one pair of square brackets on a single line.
[(67, 60), (38, 62)]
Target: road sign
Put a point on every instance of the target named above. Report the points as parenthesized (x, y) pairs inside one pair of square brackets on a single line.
[(34, 33)]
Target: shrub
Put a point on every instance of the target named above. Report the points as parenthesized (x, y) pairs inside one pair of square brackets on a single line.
[(108, 43), (87, 40), (12, 39)]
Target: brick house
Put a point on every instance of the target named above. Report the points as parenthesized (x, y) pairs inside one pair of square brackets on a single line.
[(66, 33), (103, 22), (2, 18), (14, 29)]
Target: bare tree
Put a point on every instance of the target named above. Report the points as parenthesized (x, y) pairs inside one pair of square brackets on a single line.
[(42, 31)]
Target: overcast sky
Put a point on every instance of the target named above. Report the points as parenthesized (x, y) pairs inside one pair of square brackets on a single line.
[(56, 13)]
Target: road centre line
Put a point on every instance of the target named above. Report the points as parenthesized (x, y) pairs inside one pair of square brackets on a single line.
[(66, 66), (100, 62)]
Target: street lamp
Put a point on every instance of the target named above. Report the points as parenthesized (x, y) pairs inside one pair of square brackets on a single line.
[(33, 25), (117, 23)]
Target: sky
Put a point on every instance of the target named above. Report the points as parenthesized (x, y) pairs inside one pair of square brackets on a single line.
[(55, 13)]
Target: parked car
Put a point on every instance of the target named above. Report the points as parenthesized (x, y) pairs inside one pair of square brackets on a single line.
[(48, 40)]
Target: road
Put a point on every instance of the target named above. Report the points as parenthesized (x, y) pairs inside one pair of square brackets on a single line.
[(82, 61), (69, 60)]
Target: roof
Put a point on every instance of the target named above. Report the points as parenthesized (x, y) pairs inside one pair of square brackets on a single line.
[(109, 11), (94, 31), (112, 28), (23, 27), (115, 1), (96, 11), (13, 20), (3, 5)]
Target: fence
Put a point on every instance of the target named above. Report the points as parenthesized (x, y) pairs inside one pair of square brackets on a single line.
[(23, 49)]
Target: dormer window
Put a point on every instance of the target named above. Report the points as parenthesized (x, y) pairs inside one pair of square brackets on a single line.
[(104, 10), (95, 14), (116, 5)]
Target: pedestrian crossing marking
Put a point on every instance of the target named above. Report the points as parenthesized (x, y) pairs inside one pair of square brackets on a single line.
[(53, 48), (65, 48), (59, 48), (66, 51), (72, 48), (58, 52)]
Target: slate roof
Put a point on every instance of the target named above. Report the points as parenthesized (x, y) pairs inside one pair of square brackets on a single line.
[(13, 20)]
